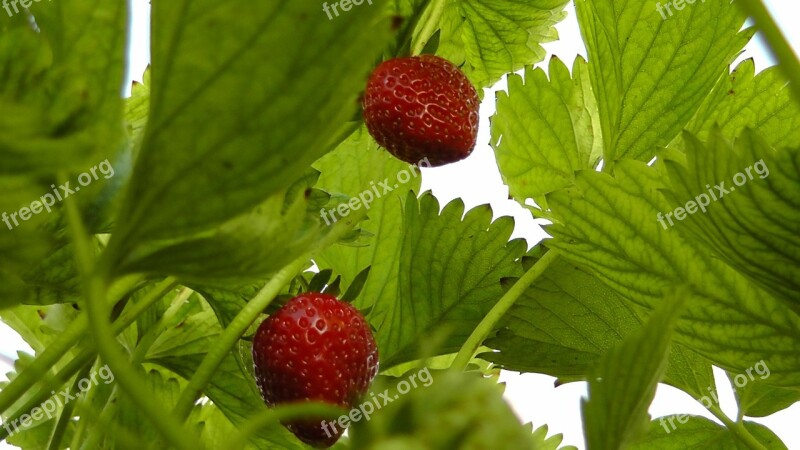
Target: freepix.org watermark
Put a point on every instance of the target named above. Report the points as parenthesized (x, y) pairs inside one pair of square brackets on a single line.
[(345, 6), (8, 4), (677, 4), (717, 192), (366, 198), (48, 200), (365, 410), (740, 380), (58, 400)]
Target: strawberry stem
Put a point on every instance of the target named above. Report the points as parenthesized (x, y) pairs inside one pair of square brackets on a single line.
[(245, 318), (787, 58), (95, 282), (482, 331), (431, 18), (737, 429), (54, 352)]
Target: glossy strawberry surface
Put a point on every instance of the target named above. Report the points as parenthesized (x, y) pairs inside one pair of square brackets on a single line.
[(319, 348), (422, 107)]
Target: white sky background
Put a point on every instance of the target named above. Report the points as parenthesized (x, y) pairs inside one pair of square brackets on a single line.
[(477, 181)]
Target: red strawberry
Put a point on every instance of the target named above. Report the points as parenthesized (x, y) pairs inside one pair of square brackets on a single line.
[(422, 107), (315, 348)]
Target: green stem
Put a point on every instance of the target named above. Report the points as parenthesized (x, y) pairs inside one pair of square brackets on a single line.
[(46, 389), (232, 333), (97, 433), (488, 323), (282, 413), (55, 351), (66, 413), (123, 438), (404, 41), (245, 318), (85, 356), (430, 22), (110, 408), (738, 429), (152, 334), (787, 58), (95, 281)]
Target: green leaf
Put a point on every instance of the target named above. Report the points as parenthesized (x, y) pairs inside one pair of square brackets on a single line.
[(443, 411), (137, 107), (545, 130), (681, 432), (376, 171), (181, 350), (444, 274), (165, 386), (568, 319), (744, 100), (610, 226), (225, 128), (748, 197), (623, 384), (60, 107), (490, 38), (650, 75), (755, 397), (254, 244)]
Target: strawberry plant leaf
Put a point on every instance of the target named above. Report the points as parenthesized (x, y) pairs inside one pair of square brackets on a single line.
[(377, 175), (59, 106), (699, 432), (568, 319), (758, 399), (567, 137), (445, 274), (623, 384), (762, 102), (217, 142), (444, 410), (182, 348), (165, 385), (257, 243), (319, 280), (356, 286), (757, 206), (137, 107), (613, 231), (489, 38), (650, 75), (542, 442)]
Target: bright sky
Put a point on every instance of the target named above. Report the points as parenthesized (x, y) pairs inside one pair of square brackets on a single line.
[(476, 181)]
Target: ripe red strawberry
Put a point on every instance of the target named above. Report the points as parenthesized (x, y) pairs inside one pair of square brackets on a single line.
[(422, 107), (315, 348)]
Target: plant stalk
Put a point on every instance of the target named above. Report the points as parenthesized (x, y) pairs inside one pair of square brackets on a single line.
[(488, 323)]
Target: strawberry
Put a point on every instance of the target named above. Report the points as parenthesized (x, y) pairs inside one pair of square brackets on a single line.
[(319, 348), (422, 107)]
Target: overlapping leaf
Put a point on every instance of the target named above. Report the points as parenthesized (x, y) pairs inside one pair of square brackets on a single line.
[(610, 226), (668, 433), (443, 273), (650, 74), (545, 130), (747, 207), (182, 348), (59, 103), (568, 319), (623, 384), (231, 120), (490, 38), (762, 102), (358, 168)]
